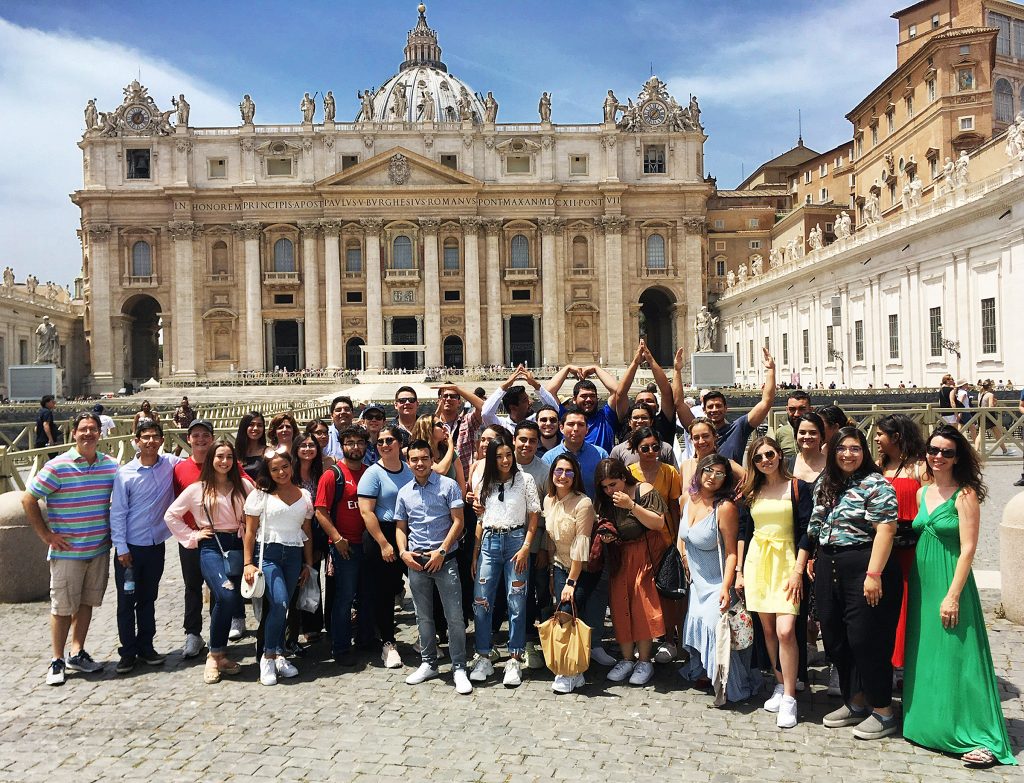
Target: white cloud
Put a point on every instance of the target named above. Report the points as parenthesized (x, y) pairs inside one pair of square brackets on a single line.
[(45, 80)]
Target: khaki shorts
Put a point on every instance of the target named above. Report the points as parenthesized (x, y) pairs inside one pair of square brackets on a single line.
[(77, 582)]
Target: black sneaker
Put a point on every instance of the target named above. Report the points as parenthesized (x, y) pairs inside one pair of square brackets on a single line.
[(55, 674), (83, 662), (126, 664), (152, 657), (1019, 482)]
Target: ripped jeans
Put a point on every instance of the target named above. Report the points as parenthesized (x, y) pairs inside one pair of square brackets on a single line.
[(224, 589), (495, 566)]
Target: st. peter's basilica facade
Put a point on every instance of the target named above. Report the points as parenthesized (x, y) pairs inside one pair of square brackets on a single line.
[(424, 233)]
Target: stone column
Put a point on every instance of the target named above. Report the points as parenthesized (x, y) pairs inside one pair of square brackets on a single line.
[(310, 343), (614, 226), (254, 358), (182, 157), (611, 168), (183, 295), (689, 266), (248, 146), (536, 339), (301, 322), (601, 288), (101, 349), (494, 330), (470, 239), (374, 325), (332, 284), (388, 331), (419, 329), (432, 357), (506, 330), (268, 342), (549, 227)]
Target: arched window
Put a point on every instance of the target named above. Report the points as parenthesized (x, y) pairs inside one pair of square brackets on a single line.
[(1004, 101), (284, 256), (401, 255), (353, 356), (520, 252), (353, 256), (451, 255), (655, 251), (220, 265), (142, 260), (580, 254)]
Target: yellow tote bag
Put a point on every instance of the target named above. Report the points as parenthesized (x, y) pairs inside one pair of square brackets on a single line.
[(565, 642)]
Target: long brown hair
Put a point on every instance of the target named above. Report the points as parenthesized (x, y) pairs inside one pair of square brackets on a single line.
[(610, 468), (755, 480), (208, 477), (423, 429)]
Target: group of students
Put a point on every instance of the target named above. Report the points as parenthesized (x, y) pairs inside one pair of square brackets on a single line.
[(496, 516)]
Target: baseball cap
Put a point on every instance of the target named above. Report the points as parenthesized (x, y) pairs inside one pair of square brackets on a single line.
[(97, 408), (201, 423), (373, 408)]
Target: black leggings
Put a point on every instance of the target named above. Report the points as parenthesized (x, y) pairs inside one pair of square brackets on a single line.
[(858, 638), (381, 583)]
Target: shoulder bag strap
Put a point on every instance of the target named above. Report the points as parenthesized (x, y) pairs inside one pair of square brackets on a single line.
[(263, 529), (206, 511)]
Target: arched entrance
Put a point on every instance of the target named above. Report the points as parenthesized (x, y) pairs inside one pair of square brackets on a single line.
[(143, 346), (404, 331), (353, 356), (453, 352), (656, 306)]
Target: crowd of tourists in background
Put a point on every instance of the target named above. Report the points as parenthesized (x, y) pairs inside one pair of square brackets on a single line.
[(499, 509)]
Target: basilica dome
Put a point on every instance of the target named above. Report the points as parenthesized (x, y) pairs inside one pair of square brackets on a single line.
[(423, 74)]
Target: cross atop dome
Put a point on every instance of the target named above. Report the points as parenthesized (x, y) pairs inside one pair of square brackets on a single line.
[(421, 48)]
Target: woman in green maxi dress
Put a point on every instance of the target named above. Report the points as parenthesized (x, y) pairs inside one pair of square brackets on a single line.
[(950, 695)]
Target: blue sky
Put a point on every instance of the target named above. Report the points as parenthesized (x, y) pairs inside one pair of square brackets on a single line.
[(752, 64)]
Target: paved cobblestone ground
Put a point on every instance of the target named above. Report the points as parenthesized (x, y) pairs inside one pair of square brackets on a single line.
[(163, 724)]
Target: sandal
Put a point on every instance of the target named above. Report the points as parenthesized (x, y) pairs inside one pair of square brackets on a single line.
[(211, 672), (978, 758)]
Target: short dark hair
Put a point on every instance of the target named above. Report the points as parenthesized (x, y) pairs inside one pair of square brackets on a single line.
[(342, 398), (513, 397), (584, 384), (714, 394), (409, 389), (571, 410), (85, 415), (46, 400), (638, 436), (799, 394), (353, 431), (420, 445), (148, 424), (543, 408), (526, 424)]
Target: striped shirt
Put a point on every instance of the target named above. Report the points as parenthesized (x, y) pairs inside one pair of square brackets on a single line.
[(77, 497)]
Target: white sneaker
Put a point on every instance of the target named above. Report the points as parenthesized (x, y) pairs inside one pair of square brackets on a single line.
[(772, 705), (786, 718), (284, 667), (513, 673), (463, 686), (666, 653), (642, 673), (268, 671), (194, 645), (620, 671), (237, 629), (599, 656), (422, 674), (389, 655), (481, 669), (833, 683), (565, 684)]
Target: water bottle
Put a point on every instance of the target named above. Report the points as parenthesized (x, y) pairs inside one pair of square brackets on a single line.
[(129, 581)]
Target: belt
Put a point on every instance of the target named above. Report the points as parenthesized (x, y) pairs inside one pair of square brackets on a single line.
[(498, 531), (831, 549)]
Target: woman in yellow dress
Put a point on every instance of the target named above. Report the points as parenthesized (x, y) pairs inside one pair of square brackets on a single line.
[(771, 570)]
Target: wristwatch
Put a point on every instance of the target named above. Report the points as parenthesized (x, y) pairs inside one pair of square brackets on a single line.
[(570, 582), (443, 551)]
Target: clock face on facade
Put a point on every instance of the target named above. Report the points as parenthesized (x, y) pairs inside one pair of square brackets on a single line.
[(138, 117), (654, 112)]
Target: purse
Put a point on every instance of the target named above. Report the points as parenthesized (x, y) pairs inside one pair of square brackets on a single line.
[(595, 561), (259, 583), (565, 642), (234, 564), (309, 594), (670, 575), (741, 624)]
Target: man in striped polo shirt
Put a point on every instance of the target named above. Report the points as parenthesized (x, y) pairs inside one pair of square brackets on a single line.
[(76, 486)]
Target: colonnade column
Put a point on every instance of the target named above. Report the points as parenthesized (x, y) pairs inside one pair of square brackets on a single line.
[(310, 295), (374, 323), (473, 352), (99, 320), (301, 323), (494, 327), (183, 296), (689, 266), (536, 339), (506, 330), (549, 227), (433, 354), (388, 331), (254, 358), (332, 282), (268, 342), (613, 227)]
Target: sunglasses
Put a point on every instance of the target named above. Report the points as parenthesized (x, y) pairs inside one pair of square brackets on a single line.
[(566, 472), (440, 424), (647, 448), (449, 396), (935, 451), (718, 474), (501, 493), (373, 417), (385, 441), (405, 400), (764, 456), (547, 421)]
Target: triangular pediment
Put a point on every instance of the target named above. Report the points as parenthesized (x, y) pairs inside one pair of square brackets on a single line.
[(397, 168)]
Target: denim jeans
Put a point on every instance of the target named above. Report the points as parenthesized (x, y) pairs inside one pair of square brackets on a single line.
[(346, 584), (225, 598), (583, 594), (281, 567), (446, 580), (136, 613), (596, 604), (496, 567)]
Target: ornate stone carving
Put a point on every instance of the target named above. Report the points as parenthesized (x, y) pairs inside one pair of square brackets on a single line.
[(695, 225), (308, 228), (452, 320), (184, 145), (467, 140), (656, 110), (248, 229), (398, 169), (756, 265), (247, 145), (608, 142), (331, 228), (844, 225), (352, 229), (492, 226), (328, 142), (183, 229), (307, 143), (490, 108), (92, 117), (706, 326), (138, 115), (489, 142), (470, 224), (550, 225), (182, 106), (368, 141), (774, 257), (428, 141), (366, 101), (372, 226), (98, 231), (546, 142), (430, 225), (815, 238), (612, 224)]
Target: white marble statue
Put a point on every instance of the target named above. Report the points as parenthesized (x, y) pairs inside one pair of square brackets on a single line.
[(8, 278), (775, 257), (815, 238), (1020, 135), (1013, 141), (330, 107), (949, 175), (741, 274), (400, 108), (756, 265), (366, 99), (706, 326), (490, 108), (611, 107), (426, 107), (844, 225), (47, 342), (730, 279), (905, 196), (916, 187), (92, 117), (465, 104), (544, 107), (308, 108), (962, 167), (31, 283), (248, 110), (871, 209), (183, 109)]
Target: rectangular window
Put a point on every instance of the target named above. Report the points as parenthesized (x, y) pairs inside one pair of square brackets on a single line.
[(806, 346), (755, 244), (988, 325), (890, 121), (935, 330), (967, 123), (768, 344), (830, 337), (964, 79), (860, 146), (823, 170), (138, 164), (719, 245), (720, 267), (452, 295), (517, 164), (874, 135), (935, 21), (824, 195), (279, 167), (894, 336), (579, 165), (719, 225), (785, 349), (284, 299), (521, 295), (838, 162), (908, 102), (753, 223), (451, 161), (348, 161), (965, 49), (654, 159), (912, 31), (1001, 23), (807, 177), (829, 228), (930, 84), (858, 340), (1018, 39), (353, 297), (354, 259), (217, 168), (933, 168)]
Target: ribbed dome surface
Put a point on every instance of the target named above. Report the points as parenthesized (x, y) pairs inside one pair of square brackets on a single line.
[(445, 88)]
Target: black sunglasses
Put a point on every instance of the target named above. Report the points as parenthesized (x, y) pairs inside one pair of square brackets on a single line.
[(935, 451)]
